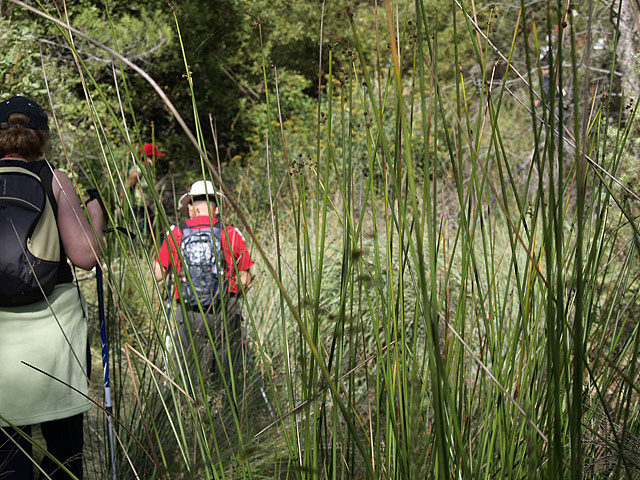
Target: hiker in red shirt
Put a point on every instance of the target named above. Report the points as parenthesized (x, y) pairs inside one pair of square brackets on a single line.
[(209, 288)]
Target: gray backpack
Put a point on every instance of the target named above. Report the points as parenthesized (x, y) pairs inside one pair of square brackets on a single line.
[(204, 260)]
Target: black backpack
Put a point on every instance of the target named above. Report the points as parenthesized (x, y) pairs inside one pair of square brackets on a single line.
[(30, 252), (204, 260)]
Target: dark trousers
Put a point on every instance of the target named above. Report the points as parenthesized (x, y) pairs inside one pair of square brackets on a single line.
[(226, 333), (64, 440)]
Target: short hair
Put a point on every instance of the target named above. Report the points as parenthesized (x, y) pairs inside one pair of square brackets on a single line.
[(212, 198), (26, 142)]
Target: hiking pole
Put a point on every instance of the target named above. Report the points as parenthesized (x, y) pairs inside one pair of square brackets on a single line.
[(94, 193), (105, 366), (168, 343)]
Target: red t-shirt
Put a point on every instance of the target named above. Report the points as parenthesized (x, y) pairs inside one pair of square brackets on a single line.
[(231, 241)]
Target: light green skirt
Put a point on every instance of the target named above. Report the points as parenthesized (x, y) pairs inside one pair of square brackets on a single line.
[(51, 336)]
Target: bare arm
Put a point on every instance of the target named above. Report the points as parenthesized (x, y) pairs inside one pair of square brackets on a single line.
[(159, 271), (80, 243), (132, 180), (246, 279)]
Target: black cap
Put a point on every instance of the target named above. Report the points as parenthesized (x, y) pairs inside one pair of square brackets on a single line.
[(38, 119)]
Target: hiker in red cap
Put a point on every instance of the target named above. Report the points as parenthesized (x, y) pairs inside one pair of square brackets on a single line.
[(150, 150), (140, 188)]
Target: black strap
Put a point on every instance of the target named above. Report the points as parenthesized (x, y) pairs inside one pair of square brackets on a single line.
[(45, 171), (127, 232)]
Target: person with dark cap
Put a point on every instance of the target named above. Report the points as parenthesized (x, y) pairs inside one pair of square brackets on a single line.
[(140, 188), (42, 323)]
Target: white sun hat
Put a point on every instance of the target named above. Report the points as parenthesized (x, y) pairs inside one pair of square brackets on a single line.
[(198, 189)]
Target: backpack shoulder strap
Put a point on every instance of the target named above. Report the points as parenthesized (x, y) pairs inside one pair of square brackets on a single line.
[(217, 233), (45, 171), (217, 230), (183, 228)]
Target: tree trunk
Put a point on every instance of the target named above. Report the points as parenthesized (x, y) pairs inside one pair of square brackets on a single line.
[(628, 48)]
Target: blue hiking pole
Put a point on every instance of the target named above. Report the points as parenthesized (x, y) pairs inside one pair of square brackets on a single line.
[(105, 367), (168, 343)]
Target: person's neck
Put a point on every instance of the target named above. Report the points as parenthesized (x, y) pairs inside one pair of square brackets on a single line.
[(196, 215), (13, 156)]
